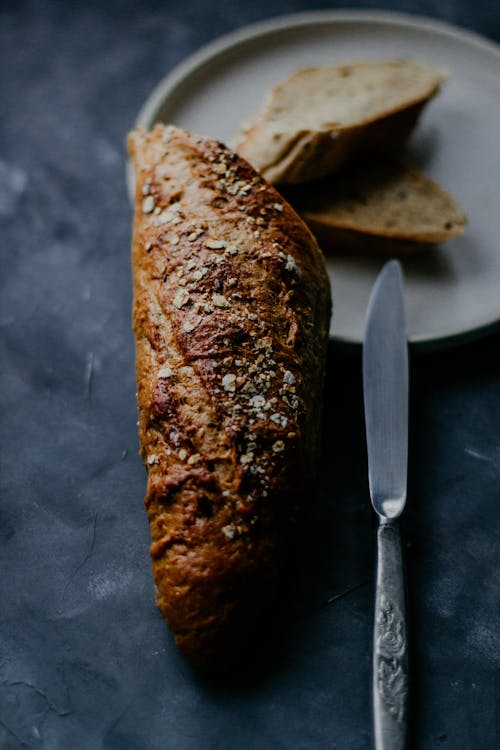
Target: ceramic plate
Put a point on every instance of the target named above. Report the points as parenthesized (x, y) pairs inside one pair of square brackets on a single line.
[(452, 290)]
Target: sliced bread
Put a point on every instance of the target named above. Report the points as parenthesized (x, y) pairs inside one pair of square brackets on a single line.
[(380, 207), (320, 117)]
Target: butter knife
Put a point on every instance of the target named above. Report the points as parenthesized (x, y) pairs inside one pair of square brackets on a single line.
[(385, 388)]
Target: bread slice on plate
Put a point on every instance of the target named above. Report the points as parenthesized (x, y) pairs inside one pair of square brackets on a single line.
[(382, 207), (320, 117)]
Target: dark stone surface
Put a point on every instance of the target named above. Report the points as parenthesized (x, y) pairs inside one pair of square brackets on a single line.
[(85, 660)]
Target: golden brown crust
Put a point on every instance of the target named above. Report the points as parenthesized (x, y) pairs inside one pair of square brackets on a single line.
[(231, 312)]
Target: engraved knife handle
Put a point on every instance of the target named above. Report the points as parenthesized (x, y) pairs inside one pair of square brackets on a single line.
[(390, 642)]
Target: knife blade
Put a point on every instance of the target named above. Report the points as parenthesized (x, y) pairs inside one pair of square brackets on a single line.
[(385, 390)]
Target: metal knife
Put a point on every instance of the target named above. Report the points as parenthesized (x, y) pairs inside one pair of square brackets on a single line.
[(385, 387)]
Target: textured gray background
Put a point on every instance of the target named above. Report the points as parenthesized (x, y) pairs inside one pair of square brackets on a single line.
[(85, 660)]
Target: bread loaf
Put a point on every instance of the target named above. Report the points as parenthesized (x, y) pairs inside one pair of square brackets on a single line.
[(231, 314), (383, 207), (320, 117)]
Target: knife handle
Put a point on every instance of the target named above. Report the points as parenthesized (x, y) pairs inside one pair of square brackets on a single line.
[(390, 642)]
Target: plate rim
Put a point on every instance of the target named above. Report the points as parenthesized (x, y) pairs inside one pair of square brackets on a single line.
[(246, 33), (284, 22)]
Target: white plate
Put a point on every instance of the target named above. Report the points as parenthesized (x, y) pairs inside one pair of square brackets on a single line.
[(451, 291)]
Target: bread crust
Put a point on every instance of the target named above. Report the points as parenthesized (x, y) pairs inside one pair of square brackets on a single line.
[(231, 316)]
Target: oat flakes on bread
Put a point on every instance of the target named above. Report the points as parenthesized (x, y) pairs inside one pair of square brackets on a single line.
[(231, 317), (320, 117), (384, 207)]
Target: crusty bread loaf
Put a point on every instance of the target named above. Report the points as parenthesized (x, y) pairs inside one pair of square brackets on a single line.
[(382, 207), (231, 314), (320, 117)]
